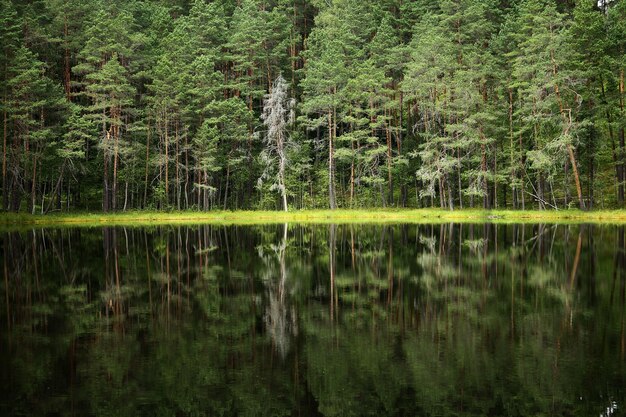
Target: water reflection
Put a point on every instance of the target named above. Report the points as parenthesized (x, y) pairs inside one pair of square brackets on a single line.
[(280, 318), (314, 320)]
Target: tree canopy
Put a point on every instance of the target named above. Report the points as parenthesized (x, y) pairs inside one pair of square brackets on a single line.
[(116, 105)]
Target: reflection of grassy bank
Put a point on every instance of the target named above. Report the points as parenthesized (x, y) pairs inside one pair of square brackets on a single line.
[(445, 320), (145, 218)]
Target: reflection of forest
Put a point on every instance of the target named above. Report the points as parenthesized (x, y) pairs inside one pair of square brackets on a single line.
[(301, 320)]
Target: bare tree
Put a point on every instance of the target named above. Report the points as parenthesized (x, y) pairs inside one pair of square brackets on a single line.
[(277, 115)]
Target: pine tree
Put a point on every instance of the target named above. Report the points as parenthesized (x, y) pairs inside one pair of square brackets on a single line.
[(616, 16), (231, 118), (111, 98), (206, 154), (427, 83), (547, 88), (79, 130), (10, 41), (590, 43), (165, 112), (333, 48)]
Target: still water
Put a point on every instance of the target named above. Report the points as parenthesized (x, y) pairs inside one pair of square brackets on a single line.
[(333, 320)]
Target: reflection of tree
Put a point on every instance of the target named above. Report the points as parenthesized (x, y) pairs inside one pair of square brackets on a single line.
[(379, 320), (620, 270), (332, 264), (280, 319)]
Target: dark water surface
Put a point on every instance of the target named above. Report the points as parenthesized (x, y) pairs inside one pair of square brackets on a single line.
[(348, 320)]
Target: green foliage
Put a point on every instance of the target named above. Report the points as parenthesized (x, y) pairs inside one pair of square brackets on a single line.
[(452, 103)]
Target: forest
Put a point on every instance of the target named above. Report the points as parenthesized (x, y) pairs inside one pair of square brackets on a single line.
[(111, 105)]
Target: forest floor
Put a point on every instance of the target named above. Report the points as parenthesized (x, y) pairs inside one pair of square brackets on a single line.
[(153, 218)]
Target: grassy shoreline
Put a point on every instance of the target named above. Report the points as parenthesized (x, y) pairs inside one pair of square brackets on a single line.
[(152, 218)]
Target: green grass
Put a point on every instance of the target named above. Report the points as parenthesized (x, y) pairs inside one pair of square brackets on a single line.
[(151, 218)]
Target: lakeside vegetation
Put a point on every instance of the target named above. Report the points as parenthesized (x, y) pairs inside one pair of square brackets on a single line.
[(148, 218)]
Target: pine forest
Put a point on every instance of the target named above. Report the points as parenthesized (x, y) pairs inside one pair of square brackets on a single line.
[(111, 105)]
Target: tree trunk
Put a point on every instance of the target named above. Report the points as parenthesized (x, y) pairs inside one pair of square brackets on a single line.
[(331, 173), (226, 187), (512, 150), (579, 191), (483, 168), (281, 171), (572, 158), (55, 190), (167, 163), (522, 171), (5, 193), (591, 152), (622, 153), (66, 63), (115, 161), (616, 163), (458, 175), (567, 120), (177, 167), (199, 179), (186, 170), (389, 156), (450, 199), (494, 202), (43, 198), (125, 196), (105, 191), (540, 187), (352, 177), (145, 189), (33, 194), (565, 183), (442, 201)]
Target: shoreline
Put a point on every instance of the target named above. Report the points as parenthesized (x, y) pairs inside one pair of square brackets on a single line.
[(411, 216)]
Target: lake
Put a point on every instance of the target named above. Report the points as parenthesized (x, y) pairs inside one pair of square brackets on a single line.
[(299, 320)]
